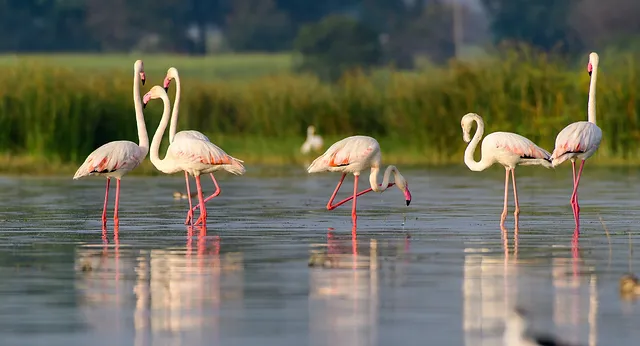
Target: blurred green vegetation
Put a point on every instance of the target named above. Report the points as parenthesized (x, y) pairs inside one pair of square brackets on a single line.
[(60, 114)]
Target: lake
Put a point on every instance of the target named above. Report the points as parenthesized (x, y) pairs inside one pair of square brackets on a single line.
[(274, 267)]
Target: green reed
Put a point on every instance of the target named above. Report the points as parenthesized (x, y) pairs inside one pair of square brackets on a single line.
[(64, 114)]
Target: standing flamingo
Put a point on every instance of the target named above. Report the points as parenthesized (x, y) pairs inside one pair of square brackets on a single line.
[(172, 73), (193, 155), (580, 140), (115, 159), (313, 141), (353, 155), (506, 148)]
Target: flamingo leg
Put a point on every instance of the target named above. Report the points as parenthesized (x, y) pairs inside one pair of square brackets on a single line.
[(106, 200), (574, 197), (116, 219), (189, 219), (354, 216), (203, 210), (516, 213), (506, 198), (214, 195)]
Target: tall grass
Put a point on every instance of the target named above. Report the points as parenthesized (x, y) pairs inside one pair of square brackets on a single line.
[(64, 114)]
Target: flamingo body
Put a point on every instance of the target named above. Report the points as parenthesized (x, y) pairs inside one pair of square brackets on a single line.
[(350, 155), (191, 134), (199, 156), (578, 140), (511, 149), (113, 160)]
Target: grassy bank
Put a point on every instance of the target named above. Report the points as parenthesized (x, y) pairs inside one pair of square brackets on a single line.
[(62, 114)]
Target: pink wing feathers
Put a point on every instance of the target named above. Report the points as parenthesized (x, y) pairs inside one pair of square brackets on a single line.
[(205, 155), (519, 145), (112, 159), (348, 151), (581, 137)]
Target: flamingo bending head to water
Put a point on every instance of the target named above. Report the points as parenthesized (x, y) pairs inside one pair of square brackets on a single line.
[(192, 155), (115, 159), (185, 135), (580, 140), (506, 148), (353, 155)]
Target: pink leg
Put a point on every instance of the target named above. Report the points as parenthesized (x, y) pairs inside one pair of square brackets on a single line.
[(516, 213), (335, 192), (354, 217), (116, 220), (189, 219), (214, 195), (203, 210), (574, 197), (106, 200), (506, 198)]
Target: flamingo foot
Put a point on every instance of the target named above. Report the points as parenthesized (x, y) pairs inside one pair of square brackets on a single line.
[(189, 219)]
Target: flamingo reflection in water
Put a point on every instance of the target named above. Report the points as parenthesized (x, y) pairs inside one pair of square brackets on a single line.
[(174, 289)]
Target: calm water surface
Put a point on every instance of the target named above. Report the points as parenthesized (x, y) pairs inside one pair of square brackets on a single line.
[(274, 267)]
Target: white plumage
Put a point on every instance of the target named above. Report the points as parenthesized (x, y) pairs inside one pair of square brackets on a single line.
[(112, 160), (351, 155), (579, 140), (313, 141)]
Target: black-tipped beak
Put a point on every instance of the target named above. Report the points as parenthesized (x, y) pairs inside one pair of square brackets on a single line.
[(590, 73), (408, 201), (143, 80), (166, 89), (144, 105)]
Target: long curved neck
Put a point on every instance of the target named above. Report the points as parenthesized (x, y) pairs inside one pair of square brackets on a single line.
[(373, 178), (471, 148), (174, 115), (161, 165), (143, 137), (591, 108)]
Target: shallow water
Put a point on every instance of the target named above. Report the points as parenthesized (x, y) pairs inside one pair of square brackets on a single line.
[(439, 272)]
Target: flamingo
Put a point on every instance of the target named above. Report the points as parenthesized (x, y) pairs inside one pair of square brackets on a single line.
[(115, 159), (172, 74), (313, 141), (190, 154), (506, 148), (580, 140), (353, 155)]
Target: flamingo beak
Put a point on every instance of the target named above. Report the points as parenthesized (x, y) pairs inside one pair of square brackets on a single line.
[(590, 69), (143, 77), (407, 196)]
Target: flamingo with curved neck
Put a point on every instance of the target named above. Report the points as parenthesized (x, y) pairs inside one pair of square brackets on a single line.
[(185, 135), (506, 148), (580, 140), (353, 155), (191, 155), (115, 159)]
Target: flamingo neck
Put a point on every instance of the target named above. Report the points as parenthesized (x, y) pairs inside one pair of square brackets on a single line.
[(143, 136), (373, 178), (471, 148), (174, 114), (591, 108), (161, 164)]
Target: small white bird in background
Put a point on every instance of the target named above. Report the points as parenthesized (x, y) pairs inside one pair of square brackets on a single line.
[(515, 332), (313, 142)]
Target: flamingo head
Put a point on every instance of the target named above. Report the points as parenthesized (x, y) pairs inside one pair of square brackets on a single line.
[(466, 123), (155, 93), (403, 185), (139, 68), (593, 61), (172, 73)]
